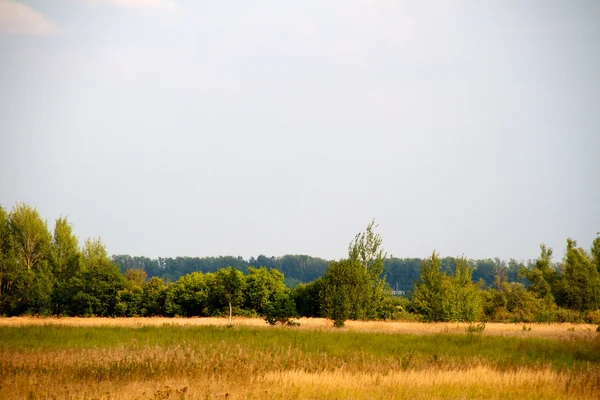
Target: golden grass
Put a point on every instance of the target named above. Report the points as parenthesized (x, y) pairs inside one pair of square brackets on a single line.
[(557, 331), (196, 368), (478, 382)]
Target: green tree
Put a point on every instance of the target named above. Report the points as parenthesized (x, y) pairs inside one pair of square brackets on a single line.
[(65, 259), (129, 302), (153, 301), (32, 276), (30, 236), (262, 287), (580, 285), (542, 276), (230, 283), (346, 291), (188, 296), (307, 298), (366, 250), (465, 296), (429, 293), (281, 308), (9, 272), (96, 288), (596, 252)]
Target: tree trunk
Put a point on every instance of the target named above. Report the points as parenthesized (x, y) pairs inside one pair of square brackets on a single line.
[(230, 313)]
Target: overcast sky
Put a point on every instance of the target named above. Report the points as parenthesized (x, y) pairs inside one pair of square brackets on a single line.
[(206, 128)]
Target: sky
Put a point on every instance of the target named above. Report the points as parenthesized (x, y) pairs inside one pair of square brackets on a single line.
[(206, 128)]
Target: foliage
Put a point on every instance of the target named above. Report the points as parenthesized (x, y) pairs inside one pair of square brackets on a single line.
[(281, 309), (230, 284), (50, 274), (431, 291), (98, 284), (346, 291), (439, 297), (308, 298), (188, 297), (579, 288), (263, 287)]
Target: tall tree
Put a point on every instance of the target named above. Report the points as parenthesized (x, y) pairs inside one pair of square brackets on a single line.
[(345, 291), (262, 287), (65, 255), (30, 236), (366, 250), (97, 286), (189, 295), (65, 260), (596, 252), (30, 241), (428, 296), (231, 283), (580, 285), (8, 262), (542, 276), (466, 296)]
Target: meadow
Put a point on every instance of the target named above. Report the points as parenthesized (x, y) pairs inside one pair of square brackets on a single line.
[(200, 358)]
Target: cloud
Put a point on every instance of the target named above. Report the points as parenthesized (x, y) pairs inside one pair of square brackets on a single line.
[(20, 19), (163, 4)]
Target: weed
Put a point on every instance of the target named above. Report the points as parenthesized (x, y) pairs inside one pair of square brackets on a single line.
[(478, 328)]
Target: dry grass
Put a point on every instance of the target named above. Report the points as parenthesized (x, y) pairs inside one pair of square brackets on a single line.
[(557, 331), (478, 383), (154, 358)]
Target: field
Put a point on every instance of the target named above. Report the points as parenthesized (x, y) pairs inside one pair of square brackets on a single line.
[(160, 358)]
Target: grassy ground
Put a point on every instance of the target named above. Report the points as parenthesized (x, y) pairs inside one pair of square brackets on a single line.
[(189, 359)]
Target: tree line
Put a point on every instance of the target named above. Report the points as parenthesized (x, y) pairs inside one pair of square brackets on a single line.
[(400, 273), (49, 273)]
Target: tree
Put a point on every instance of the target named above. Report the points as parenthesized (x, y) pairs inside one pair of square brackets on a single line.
[(30, 236), (308, 298), (580, 285), (9, 273), (429, 292), (281, 308), (136, 276), (542, 276), (466, 297), (153, 301), (97, 286), (65, 259), (32, 278), (596, 252), (346, 291), (262, 287), (188, 296), (231, 283), (366, 250)]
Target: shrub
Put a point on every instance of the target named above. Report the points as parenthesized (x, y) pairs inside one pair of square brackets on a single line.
[(281, 309)]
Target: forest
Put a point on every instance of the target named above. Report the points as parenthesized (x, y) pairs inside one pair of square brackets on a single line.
[(44, 272)]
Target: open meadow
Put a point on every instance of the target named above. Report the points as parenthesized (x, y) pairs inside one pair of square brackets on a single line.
[(198, 358)]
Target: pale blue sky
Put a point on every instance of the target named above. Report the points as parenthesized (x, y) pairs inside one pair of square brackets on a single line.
[(207, 128)]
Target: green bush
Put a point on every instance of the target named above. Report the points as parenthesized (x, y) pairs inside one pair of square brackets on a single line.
[(282, 309), (565, 315)]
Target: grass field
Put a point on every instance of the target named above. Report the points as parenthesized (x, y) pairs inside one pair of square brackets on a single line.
[(160, 358)]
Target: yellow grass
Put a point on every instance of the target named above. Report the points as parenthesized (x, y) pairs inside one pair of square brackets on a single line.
[(558, 331), (186, 370), (479, 382)]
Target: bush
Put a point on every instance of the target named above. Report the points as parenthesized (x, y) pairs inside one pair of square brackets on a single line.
[(565, 315), (281, 309), (592, 317)]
